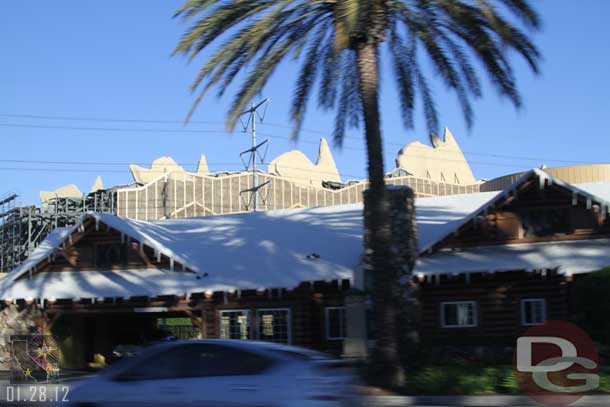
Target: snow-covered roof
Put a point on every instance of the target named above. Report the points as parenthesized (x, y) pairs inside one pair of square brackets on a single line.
[(599, 189), (573, 257), (280, 248), (588, 191), (241, 251), (104, 284), (439, 216)]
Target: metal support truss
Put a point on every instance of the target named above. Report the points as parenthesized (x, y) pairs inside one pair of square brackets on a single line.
[(23, 228)]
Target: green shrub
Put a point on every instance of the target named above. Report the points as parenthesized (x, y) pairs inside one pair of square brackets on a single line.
[(458, 379), (472, 380)]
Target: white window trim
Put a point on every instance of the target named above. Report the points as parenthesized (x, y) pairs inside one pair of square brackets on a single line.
[(259, 310), (475, 314), (526, 300), (244, 310), (327, 324)]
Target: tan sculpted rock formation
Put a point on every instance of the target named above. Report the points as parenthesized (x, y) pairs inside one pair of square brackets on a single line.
[(67, 191), (295, 166), (202, 168), (161, 166), (97, 184), (443, 162)]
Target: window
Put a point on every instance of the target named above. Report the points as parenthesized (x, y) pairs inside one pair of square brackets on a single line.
[(108, 255), (274, 325), (533, 311), (197, 360), (235, 324), (545, 222), (459, 314), (335, 322)]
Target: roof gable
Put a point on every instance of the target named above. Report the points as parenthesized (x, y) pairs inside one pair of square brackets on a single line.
[(510, 194)]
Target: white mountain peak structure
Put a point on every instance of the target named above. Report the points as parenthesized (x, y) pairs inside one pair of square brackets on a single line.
[(97, 184), (295, 166), (161, 166), (67, 191), (443, 162)]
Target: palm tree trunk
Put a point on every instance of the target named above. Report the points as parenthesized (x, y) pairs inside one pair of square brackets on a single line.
[(386, 366)]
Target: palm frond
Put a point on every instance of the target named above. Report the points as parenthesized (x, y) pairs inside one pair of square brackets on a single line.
[(454, 35), (306, 79)]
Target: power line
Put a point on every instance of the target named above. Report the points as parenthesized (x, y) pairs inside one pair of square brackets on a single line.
[(113, 171), (117, 171), (220, 131), (104, 119), (115, 129), (106, 163), (148, 130), (120, 120), (109, 163)]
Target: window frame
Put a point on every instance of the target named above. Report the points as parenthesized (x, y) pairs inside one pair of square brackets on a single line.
[(289, 330), (533, 300), (248, 318), (327, 323), (475, 314)]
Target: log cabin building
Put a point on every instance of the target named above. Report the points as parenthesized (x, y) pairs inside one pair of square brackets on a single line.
[(511, 264), (490, 265), (111, 281)]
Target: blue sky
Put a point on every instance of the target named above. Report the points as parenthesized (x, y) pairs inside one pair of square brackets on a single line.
[(112, 60)]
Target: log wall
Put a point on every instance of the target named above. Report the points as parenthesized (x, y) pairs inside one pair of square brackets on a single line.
[(498, 297)]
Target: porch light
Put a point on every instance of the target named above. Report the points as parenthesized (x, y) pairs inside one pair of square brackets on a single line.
[(29, 300), (51, 300)]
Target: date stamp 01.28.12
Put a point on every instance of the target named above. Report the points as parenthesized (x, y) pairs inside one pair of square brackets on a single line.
[(30, 371)]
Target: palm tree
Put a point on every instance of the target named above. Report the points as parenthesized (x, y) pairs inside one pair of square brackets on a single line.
[(339, 44)]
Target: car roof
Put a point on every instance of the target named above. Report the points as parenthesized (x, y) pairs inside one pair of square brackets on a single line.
[(258, 345)]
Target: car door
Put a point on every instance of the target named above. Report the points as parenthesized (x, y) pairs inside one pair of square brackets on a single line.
[(221, 375), (156, 380), (199, 374)]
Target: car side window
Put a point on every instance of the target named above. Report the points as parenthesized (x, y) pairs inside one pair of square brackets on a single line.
[(197, 360), (237, 362), (159, 365)]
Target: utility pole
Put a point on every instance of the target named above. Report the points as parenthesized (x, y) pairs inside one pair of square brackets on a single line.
[(252, 114)]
